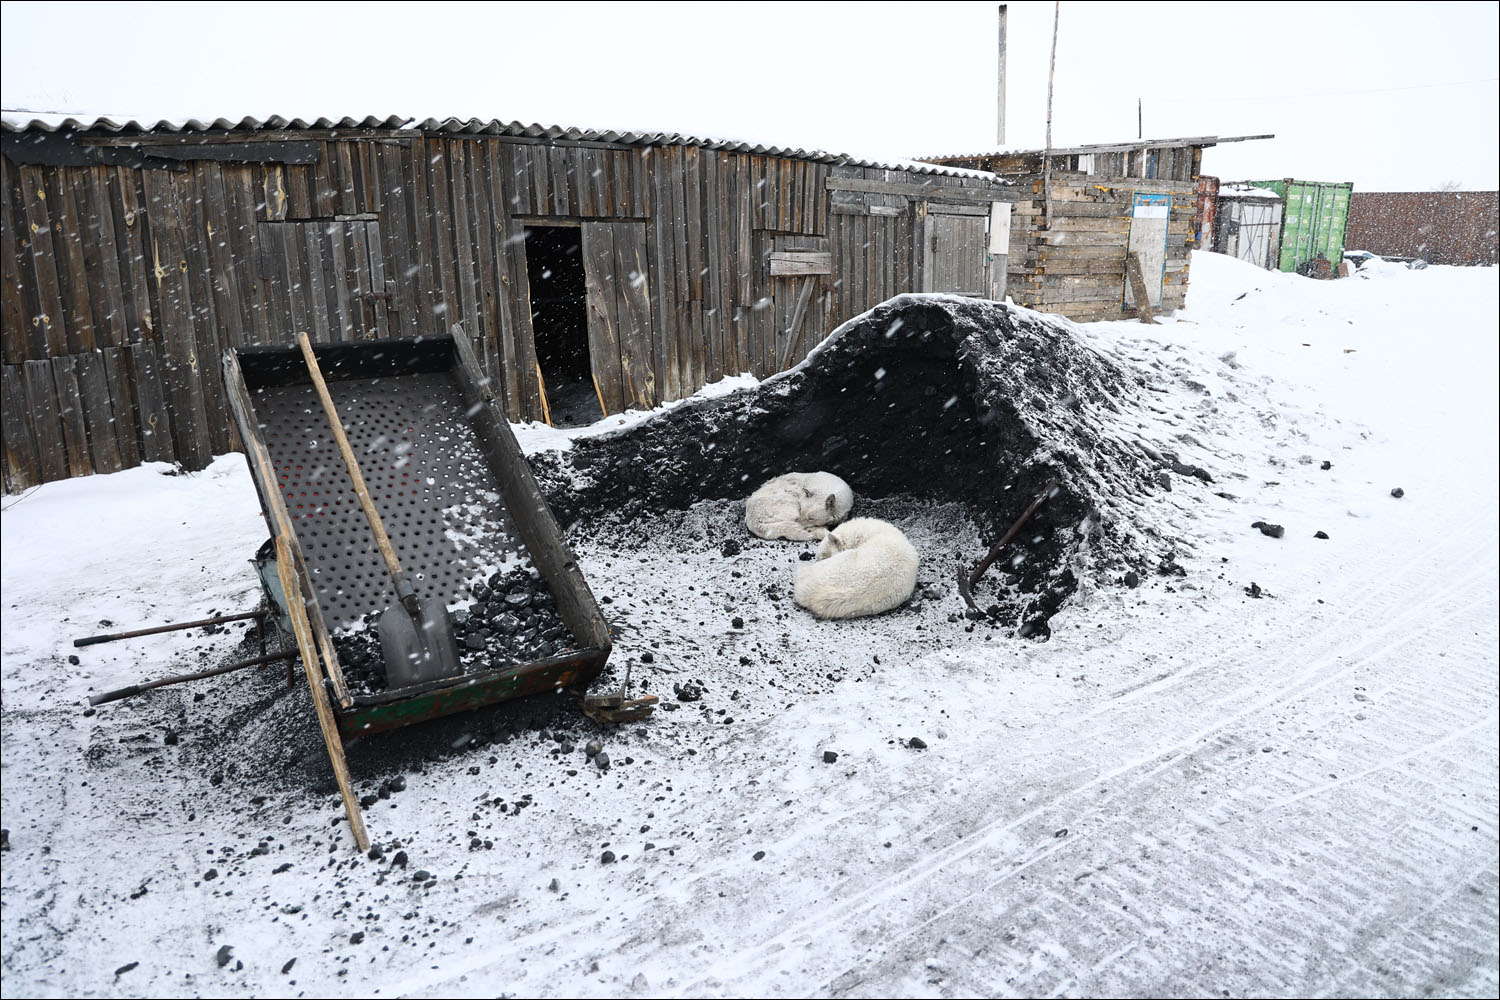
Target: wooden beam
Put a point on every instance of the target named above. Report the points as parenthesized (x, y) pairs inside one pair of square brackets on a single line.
[(797, 262), (1048, 153), (1138, 288), (926, 188), (1000, 86), (331, 740)]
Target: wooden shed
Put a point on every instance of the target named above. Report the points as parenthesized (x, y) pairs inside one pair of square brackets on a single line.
[(1074, 225), (592, 271)]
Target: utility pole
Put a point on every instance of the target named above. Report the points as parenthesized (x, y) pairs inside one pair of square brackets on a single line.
[(1140, 131), (1000, 88), (1047, 153)]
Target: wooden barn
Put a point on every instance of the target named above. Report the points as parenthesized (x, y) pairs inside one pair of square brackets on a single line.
[(1074, 225), (592, 271)]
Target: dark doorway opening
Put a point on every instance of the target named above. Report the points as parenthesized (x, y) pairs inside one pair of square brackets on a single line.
[(560, 323)]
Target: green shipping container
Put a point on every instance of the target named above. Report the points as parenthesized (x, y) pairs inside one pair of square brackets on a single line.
[(1317, 212)]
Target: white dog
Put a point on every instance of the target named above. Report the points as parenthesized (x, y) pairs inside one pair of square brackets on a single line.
[(799, 505), (864, 567)]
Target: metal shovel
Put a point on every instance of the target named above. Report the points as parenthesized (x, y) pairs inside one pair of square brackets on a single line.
[(416, 637)]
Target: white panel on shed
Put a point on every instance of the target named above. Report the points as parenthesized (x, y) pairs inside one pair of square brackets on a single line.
[(999, 227)]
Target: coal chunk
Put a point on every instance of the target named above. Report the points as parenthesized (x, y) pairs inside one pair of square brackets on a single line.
[(1398, 493), (1269, 530)]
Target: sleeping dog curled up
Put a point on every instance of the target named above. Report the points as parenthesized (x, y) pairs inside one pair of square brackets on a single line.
[(800, 506), (864, 567)]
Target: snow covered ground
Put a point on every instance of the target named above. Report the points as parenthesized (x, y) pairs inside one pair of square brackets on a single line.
[(1186, 790)]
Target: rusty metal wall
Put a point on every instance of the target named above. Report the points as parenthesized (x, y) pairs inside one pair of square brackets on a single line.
[(1207, 209), (1441, 227)]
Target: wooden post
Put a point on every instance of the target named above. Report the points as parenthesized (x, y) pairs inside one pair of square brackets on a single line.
[(309, 655), (1000, 87), (1047, 153)]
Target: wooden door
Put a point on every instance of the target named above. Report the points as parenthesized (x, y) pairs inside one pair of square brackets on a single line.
[(326, 276), (798, 269), (955, 252), (1148, 240), (619, 309)]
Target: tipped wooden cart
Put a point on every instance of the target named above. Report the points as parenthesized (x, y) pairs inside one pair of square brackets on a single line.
[(451, 484)]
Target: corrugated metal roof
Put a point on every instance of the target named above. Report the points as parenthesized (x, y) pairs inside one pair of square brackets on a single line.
[(458, 126), (1200, 141)]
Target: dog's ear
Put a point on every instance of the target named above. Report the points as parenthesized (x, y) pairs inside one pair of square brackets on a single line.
[(831, 503)]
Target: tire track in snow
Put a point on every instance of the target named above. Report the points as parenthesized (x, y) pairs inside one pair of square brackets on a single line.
[(1460, 589), (1389, 584)]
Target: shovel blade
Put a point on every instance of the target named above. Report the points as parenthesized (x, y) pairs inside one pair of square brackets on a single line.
[(418, 649)]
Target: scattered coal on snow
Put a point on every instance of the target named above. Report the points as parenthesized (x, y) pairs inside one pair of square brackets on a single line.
[(936, 399)]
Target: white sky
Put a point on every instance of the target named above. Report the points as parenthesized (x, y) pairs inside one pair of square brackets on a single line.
[(1389, 96)]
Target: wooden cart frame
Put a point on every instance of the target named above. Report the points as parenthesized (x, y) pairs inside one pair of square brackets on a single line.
[(344, 715)]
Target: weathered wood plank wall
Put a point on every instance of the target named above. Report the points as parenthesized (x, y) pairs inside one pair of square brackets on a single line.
[(1076, 268), (122, 285)]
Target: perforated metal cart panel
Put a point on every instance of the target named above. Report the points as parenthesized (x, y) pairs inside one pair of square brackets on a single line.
[(421, 461)]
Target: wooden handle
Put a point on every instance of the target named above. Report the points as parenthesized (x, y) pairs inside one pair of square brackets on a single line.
[(404, 590), (309, 655)]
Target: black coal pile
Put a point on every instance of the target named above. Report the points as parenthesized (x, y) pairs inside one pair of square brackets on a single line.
[(928, 397), (513, 620)]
